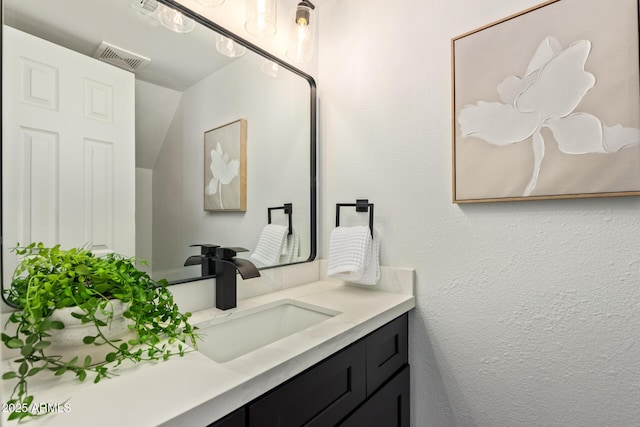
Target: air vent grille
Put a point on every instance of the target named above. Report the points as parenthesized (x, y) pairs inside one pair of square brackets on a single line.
[(120, 57), (148, 7)]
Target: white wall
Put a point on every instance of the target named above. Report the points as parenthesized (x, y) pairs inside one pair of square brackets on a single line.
[(528, 313), (144, 216), (168, 252)]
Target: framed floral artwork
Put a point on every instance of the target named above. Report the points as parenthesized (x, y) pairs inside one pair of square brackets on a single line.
[(225, 167), (546, 104)]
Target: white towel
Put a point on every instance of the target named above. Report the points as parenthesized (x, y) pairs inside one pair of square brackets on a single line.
[(290, 248), (270, 243), (354, 255)]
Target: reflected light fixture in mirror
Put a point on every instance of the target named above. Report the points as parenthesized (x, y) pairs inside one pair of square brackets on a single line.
[(270, 68), (301, 32), (228, 47), (174, 20), (260, 17)]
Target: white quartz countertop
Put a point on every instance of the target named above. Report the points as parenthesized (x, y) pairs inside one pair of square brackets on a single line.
[(194, 390)]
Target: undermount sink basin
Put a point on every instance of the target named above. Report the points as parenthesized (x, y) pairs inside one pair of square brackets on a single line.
[(244, 331)]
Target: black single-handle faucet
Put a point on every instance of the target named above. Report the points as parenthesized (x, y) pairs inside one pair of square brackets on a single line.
[(226, 280), (222, 261), (205, 259)]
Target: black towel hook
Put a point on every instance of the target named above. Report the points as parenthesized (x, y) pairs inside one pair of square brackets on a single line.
[(361, 205)]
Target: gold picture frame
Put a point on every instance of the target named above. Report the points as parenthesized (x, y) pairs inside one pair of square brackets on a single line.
[(546, 104), (225, 168)]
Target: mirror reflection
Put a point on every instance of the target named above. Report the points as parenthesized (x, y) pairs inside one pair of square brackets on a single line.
[(122, 135)]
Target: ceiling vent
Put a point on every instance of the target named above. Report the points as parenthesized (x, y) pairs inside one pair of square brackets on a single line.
[(147, 7), (120, 57)]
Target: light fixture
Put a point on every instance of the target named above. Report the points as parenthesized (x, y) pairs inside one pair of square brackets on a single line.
[(174, 20), (260, 18), (301, 32), (228, 47), (270, 68)]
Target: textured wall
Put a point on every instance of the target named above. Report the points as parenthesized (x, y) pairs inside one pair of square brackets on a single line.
[(528, 313)]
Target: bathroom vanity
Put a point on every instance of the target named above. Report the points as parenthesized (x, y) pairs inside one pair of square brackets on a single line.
[(349, 368), (365, 384)]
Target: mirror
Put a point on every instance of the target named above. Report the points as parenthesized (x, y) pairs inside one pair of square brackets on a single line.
[(184, 89)]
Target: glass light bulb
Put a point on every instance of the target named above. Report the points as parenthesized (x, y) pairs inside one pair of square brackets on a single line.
[(301, 34), (270, 68), (174, 20), (228, 47), (260, 17)]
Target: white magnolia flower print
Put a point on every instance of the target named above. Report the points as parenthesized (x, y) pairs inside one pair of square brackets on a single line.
[(546, 96), (223, 170)]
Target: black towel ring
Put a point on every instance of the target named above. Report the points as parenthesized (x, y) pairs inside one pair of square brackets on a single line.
[(361, 205)]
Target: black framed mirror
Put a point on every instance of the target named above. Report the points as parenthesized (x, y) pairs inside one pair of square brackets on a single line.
[(186, 89)]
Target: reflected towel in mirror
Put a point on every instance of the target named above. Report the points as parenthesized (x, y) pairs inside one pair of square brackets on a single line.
[(354, 255), (290, 248), (269, 247)]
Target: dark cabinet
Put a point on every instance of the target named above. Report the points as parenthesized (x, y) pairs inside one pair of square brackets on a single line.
[(365, 384), (388, 407), (234, 419), (387, 352), (320, 396)]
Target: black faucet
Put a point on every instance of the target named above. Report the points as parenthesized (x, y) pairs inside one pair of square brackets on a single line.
[(205, 259), (221, 261)]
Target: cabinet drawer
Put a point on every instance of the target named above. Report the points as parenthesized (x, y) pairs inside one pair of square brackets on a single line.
[(321, 396), (387, 352), (388, 407)]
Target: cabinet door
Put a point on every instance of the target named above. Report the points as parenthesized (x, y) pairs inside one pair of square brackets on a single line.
[(388, 407), (387, 352), (321, 396), (234, 419)]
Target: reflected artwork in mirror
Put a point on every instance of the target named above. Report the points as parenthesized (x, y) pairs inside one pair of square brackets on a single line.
[(105, 114)]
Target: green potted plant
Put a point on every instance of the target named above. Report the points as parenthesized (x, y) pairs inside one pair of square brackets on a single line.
[(49, 281)]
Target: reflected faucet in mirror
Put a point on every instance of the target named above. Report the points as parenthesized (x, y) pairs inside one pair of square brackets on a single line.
[(221, 261)]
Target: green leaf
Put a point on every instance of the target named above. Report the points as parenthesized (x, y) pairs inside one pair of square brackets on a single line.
[(42, 345), (9, 375), (87, 361), (27, 350), (110, 357), (83, 270), (88, 340), (23, 369), (14, 343), (56, 324), (14, 415), (34, 371)]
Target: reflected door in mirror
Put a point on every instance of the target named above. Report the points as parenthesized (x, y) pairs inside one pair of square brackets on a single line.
[(68, 149)]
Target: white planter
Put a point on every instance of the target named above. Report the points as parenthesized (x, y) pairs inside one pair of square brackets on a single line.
[(67, 342)]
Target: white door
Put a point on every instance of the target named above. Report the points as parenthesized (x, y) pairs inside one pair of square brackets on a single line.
[(68, 155)]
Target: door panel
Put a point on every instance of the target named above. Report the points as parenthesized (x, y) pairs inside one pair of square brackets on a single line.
[(68, 149)]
